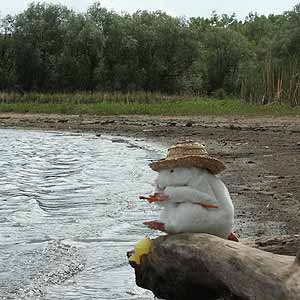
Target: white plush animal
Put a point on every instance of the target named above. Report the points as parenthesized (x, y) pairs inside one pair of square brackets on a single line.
[(193, 200), (197, 201)]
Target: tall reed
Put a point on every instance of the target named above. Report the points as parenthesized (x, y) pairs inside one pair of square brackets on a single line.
[(273, 82)]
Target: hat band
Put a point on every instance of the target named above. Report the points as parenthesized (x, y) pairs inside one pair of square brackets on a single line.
[(180, 151), (175, 157)]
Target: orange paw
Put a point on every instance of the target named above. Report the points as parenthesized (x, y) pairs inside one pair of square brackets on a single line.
[(233, 237), (156, 225), (156, 197)]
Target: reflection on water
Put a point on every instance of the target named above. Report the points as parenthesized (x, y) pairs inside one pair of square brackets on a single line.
[(69, 211)]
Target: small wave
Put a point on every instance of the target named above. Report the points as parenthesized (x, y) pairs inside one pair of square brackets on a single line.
[(55, 264)]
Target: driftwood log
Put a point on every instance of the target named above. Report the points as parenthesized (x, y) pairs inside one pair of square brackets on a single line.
[(200, 266)]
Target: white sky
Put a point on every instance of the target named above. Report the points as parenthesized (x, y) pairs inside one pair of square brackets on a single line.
[(186, 8)]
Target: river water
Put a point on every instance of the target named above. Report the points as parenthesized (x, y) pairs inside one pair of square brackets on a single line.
[(69, 211)]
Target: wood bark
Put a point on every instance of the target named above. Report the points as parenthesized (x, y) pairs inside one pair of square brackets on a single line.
[(283, 244), (200, 266)]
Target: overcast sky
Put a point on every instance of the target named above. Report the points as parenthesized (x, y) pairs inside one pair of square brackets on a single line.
[(176, 7)]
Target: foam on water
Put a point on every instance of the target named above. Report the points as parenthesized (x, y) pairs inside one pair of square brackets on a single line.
[(52, 264)]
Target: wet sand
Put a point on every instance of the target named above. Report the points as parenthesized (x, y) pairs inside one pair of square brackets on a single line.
[(262, 157)]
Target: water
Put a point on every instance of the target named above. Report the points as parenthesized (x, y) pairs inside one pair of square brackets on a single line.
[(69, 211)]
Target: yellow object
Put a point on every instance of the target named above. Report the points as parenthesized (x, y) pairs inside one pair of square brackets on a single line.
[(142, 247)]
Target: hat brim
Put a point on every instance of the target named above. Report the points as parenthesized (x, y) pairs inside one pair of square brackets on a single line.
[(213, 165)]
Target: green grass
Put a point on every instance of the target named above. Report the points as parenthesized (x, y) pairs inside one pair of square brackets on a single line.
[(228, 107)]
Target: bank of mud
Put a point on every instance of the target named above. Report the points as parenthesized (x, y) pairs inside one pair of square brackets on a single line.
[(262, 157)]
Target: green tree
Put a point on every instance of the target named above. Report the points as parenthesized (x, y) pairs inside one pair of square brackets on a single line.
[(39, 38), (224, 49), (7, 54), (79, 67)]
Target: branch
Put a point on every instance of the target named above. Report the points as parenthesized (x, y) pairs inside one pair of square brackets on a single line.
[(201, 266)]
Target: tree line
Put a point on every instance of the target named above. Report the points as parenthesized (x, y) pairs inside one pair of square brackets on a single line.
[(50, 48)]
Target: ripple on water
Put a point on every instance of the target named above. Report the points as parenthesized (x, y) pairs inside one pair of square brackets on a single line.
[(69, 211), (45, 265)]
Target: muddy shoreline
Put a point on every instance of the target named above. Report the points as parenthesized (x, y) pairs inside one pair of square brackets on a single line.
[(262, 156)]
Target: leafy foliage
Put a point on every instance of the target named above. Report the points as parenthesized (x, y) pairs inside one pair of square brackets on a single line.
[(50, 48)]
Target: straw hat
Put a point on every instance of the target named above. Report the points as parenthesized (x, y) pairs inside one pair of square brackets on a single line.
[(188, 154)]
